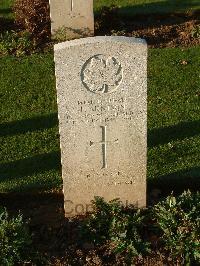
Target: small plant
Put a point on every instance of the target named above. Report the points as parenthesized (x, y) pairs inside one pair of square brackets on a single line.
[(126, 233), (118, 33), (15, 240), (196, 32), (118, 224), (178, 220), (33, 16), (60, 35), (15, 43)]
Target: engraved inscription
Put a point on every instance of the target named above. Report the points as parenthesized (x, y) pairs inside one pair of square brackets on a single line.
[(102, 110), (102, 75), (104, 143)]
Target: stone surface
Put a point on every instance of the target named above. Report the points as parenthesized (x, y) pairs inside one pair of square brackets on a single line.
[(75, 16), (102, 107)]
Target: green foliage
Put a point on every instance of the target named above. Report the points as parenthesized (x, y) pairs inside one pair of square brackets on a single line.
[(60, 35), (15, 240), (174, 222), (126, 233), (122, 226), (16, 43), (179, 222)]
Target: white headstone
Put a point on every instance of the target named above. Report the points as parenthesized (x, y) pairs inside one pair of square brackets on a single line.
[(74, 16), (102, 107)]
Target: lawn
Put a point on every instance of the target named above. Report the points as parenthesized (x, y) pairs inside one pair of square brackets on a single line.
[(29, 139), (131, 7)]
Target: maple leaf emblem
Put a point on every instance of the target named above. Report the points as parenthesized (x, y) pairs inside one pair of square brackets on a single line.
[(102, 75)]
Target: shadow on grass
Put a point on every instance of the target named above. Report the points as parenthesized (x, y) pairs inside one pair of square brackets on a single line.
[(5, 11), (159, 23), (30, 166), (28, 125), (169, 6), (176, 182), (183, 179), (37, 164), (6, 24), (180, 131)]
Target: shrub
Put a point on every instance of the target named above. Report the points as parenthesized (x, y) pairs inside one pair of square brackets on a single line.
[(33, 16), (15, 239), (178, 220), (122, 226), (15, 43)]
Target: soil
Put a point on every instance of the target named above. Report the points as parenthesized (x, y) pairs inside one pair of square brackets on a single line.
[(170, 30)]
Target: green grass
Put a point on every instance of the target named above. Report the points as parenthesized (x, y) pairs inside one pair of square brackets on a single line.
[(29, 139), (174, 118), (131, 7), (5, 8), (29, 145)]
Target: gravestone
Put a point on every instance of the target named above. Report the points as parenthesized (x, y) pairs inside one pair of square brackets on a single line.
[(72, 17), (102, 108)]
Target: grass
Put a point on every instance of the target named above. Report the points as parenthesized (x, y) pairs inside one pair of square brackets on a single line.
[(29, 139), (174, 118), (5, 8), (29, 145), (132, 7)]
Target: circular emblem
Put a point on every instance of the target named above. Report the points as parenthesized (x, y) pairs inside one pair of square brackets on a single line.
[(102, 75)]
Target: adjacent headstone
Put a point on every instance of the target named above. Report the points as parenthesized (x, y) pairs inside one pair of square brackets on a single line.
[(102, 107), (72, 17)]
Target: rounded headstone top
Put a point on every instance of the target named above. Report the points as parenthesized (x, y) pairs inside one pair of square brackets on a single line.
[(99, 39)]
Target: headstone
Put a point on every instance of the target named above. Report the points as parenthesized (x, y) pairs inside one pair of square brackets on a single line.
[(72, 17), (102, 108)]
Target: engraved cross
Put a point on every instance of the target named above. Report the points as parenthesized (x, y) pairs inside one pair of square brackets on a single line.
[(104, 143), (72, 5)]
